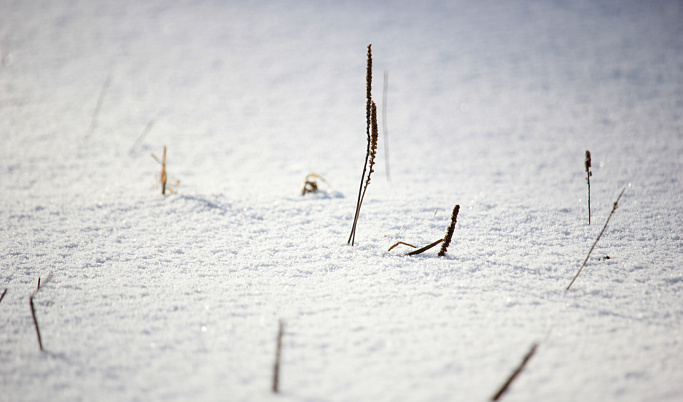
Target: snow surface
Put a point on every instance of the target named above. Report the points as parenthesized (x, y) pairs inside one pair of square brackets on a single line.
[(491, 105)]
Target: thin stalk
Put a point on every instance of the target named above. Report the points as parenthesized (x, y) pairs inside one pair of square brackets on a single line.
[(588, 179), (401, 242), (515, 373), (278, 352), (100, 100), (368, 112), (385, 130), (425, 248), (163, 173), (142, 136), (614, 208), (371, 163), (3, 294), (33, 311)]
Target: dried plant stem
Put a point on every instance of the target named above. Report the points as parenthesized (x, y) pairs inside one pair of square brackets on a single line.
[(278, 352), (401, 242), (142, 136), (588, 179), (163, 173), (371, 164), (614, 208), (385, 130), (3, 294), (368, 118), (515, 373), (449, 232), (100, 99), (33, 311), (425, 248)]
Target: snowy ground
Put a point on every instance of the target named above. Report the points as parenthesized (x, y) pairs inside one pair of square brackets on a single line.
[(491, 106)]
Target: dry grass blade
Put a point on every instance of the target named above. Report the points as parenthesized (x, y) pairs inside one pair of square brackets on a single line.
[(515, 373), (142, 136), (100, 100), (33, 310), (425, 248), (614, 208), (3, 294), (163, 173), (449, 232), (401, 242), (278, 352), (368, 123)]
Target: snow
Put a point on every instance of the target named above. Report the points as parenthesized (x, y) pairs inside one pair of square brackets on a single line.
[(490, 106)]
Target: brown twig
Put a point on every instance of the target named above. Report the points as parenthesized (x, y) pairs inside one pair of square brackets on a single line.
[(3, 294), (401, 242), (425, 248), (33, 310), (614, 208), (449, 232), (278, 351), (515, 373)]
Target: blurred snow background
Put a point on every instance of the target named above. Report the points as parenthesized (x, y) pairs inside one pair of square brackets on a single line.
[(491, 106)]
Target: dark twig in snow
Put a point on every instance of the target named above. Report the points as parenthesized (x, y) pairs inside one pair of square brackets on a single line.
[(614, 208), (425, 248), (515, 373), (278, 351), (449, 232), (33, 310)]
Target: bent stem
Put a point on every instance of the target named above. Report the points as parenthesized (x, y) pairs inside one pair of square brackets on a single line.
[(425, 248)]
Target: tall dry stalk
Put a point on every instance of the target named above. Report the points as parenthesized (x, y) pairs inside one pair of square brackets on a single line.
[(587, 162), (449, 232), (369, 128), (278, 352), (614, 208)]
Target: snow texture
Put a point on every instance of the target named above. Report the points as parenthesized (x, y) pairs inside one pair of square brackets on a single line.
[(491, 105)]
